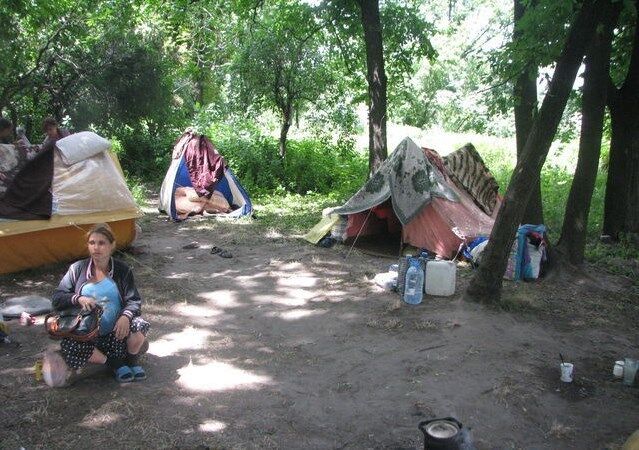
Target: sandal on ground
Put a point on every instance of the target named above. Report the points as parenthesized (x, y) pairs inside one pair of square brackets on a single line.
[(138, 373), (225, 254), (124, 374)]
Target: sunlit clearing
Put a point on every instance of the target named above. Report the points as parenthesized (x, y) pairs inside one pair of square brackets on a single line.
[(329, 296), (196, 310), (100, 420), (273, 234), (292, 266), (217, 376), (180, 276), (251, 281), (212, 426), (297, 314), (300, 281), (189, 338), (221, 298), (294, 297)]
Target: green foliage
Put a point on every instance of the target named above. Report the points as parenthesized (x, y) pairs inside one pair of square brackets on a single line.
[(280, 65), (453, 90), (145, 153), (620, 257), (138, 190), (311, 166), (131, 84)]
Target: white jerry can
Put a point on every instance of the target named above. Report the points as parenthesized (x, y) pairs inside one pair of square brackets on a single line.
[(440, 278)]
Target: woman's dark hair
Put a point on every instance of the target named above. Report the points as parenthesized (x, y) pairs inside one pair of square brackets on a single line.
[(103, 229), (49, 122)]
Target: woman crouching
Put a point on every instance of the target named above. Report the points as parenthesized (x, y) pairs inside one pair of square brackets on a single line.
[(108, 282)]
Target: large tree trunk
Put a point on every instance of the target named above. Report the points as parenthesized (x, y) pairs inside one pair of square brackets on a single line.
[(376, 77), (572, 242), (622, 199), (486, 284), (525, 93)]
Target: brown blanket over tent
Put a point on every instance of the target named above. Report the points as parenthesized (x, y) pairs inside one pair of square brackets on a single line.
[(28, 197)]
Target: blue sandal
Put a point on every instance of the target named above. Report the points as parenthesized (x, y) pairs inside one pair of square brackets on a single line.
[(138, 373), (124, 374)]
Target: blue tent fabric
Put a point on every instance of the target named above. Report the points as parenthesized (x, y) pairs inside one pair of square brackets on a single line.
[(182, 179), (472, 245)]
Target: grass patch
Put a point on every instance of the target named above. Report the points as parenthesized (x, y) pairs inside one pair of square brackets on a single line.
[(292, 213)]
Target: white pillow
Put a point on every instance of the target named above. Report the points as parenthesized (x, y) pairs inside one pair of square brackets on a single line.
[(80, 146)]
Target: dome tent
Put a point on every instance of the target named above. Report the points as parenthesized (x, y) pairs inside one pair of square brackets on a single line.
[(196, 165)]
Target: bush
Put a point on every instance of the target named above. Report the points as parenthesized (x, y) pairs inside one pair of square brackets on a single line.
[(310, 165)]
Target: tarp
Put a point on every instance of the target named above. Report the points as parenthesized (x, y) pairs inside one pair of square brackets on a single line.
[(467, 168), (407, 179), (28, 197), (321, 228), (88, 192)]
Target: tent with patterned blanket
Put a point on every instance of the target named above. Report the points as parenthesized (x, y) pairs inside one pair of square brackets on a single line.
[(430, 202)]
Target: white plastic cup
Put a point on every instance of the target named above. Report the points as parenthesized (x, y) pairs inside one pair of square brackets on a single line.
[(617, 371), (566, 372)]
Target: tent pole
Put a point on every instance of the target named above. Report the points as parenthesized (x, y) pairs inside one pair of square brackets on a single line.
[(358, 233)]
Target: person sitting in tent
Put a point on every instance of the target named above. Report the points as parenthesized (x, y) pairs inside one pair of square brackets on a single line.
[(187, 203), (53, 133), (101, 279)]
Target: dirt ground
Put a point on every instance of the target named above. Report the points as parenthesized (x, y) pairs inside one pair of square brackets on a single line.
[(287, 345)]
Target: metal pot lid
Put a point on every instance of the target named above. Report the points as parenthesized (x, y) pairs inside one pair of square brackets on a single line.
[(442, 429)]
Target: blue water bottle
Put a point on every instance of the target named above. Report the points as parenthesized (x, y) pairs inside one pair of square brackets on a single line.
[(414, 287)]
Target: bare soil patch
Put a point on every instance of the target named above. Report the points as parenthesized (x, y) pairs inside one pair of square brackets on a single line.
[(287, 345)]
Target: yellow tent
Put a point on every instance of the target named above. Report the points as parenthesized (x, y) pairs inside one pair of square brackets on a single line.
[(84, 193)]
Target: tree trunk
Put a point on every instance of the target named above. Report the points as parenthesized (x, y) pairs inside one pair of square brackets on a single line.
[(376, 77), (572, 241), (486, 284), (286, 125), (525, 93), (622, 196)]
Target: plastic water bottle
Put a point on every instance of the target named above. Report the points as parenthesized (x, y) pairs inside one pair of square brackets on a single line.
[(414, 288)]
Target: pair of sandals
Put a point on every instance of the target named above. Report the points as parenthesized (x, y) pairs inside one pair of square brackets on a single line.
[(126, 374), (221, 252)]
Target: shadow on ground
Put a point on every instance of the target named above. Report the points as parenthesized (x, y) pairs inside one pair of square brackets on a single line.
[(287, 345)]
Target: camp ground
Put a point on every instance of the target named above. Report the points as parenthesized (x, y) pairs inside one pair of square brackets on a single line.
[(292, 345), (318, 224)]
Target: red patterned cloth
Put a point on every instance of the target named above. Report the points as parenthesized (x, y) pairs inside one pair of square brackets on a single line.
[(205, 165)]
